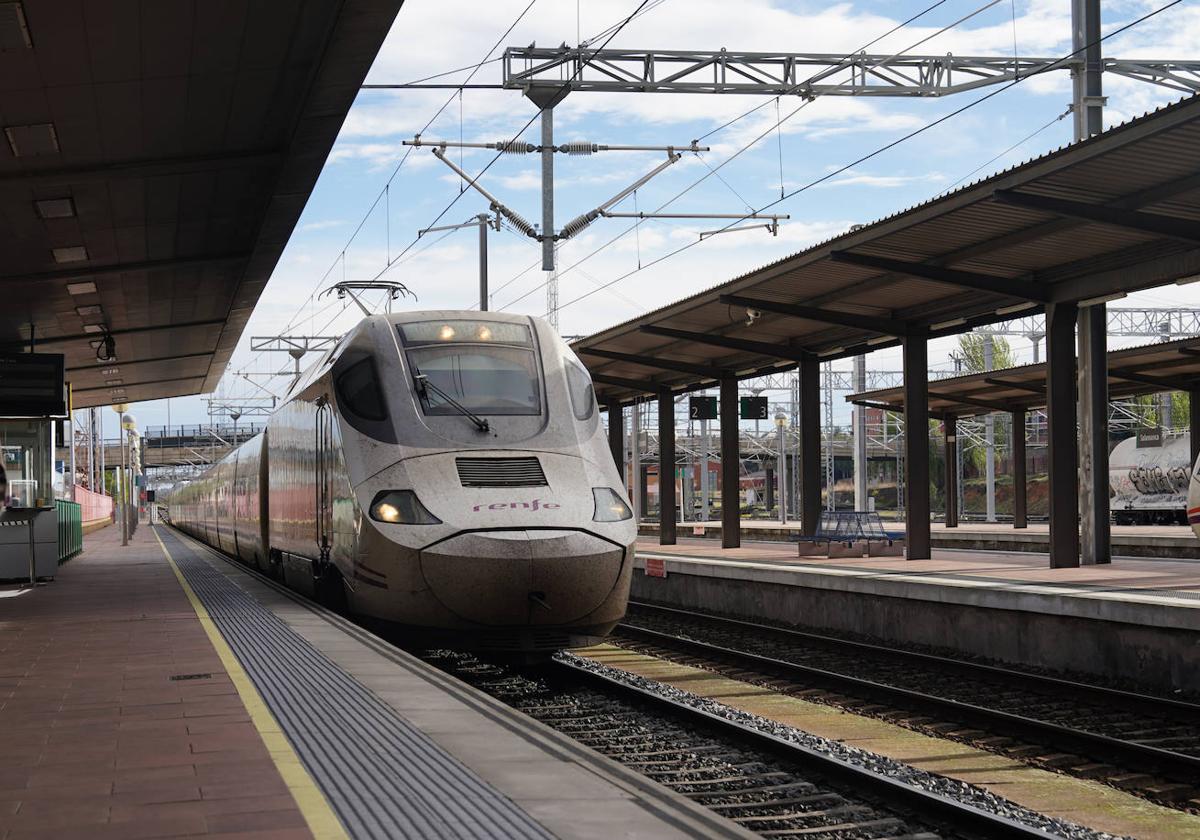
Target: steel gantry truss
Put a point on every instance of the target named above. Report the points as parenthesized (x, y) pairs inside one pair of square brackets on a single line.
[(807, 75)]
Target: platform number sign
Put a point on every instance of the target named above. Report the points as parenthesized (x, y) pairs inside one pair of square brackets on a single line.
[(702, 408), (753, 408)]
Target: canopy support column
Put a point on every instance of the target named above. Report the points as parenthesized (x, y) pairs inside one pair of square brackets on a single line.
[(950, 427), (810, 445), (616, 437), (1096, 540), (1020, 480), (666, 468), (731, 508), (1062, 435), (1194, 425), (916, 446)]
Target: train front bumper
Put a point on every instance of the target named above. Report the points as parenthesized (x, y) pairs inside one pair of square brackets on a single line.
[(526, 577)]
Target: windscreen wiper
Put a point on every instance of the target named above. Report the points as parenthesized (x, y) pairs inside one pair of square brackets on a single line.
[(423, 383)]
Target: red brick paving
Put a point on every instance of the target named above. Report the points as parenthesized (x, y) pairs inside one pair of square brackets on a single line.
[(98, 742)]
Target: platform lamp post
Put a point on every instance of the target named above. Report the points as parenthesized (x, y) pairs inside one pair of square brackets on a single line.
[(128, 425), (118, 485), (781, 468)]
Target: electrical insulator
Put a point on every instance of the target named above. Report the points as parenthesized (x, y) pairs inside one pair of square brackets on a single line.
[(511, 147), (579, 147), (517, 221), (577, 224)]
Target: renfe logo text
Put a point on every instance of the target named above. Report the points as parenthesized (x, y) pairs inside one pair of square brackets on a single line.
[(536, 504)]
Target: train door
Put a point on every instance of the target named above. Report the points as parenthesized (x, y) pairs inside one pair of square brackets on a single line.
[(324, 482)]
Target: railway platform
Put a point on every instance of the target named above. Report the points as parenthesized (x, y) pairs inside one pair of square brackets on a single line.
[(1135, 620), (1173, 542), (158, 690)]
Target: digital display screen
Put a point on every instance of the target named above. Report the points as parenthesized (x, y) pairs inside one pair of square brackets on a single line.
[(31, 385)]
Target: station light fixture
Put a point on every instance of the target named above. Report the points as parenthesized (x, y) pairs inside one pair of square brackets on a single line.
[(110, 371), (14, 28), (945, 325), (880, 339), (30, 140), (91, 309), (93, 328), (832, 351), (114, 381), (70, 254), (1017, 307), (86, 287), (1101, 299), (55, 208), (1184, 281)]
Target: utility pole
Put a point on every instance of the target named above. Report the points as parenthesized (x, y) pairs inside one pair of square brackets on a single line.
[(989, 433), (481, 221), (547, 235), (860, 437), (1088, 108)]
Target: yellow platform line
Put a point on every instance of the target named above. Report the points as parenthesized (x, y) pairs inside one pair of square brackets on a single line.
[(313, 805)]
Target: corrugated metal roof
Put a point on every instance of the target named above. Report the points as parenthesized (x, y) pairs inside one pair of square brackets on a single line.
[(1146, 170)]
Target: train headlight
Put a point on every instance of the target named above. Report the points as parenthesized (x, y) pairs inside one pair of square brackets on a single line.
[(609, 506), (401, 507)]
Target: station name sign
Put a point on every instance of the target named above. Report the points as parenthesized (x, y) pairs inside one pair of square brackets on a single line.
[(1149, 437), (32, 385)]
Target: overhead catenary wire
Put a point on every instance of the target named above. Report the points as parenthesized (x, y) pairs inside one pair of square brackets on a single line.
[(862, 48), (1016, 145), (715, 171), (918, 131), (475, 178), (384, 193)]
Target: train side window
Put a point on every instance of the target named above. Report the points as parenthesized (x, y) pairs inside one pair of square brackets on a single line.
[(583, 396), (358, 391)]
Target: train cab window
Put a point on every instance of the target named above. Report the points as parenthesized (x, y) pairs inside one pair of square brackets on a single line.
[(358, 391), (583, 397), (487, 367)]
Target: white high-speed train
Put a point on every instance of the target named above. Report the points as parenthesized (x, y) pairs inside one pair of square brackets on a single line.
[(445, 471)]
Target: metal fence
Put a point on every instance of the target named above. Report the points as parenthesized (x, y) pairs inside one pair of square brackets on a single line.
[(70, 529)]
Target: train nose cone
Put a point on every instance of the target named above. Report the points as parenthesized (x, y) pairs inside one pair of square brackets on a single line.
[(522, 577)]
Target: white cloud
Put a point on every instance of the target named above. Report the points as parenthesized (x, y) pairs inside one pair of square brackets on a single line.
[(323, 224)]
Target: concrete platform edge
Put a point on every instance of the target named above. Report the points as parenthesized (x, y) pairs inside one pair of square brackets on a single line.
[(659, 802)]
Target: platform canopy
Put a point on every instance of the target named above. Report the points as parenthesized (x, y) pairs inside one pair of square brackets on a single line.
[(154, 159), (1092, 221), (1132, 371)]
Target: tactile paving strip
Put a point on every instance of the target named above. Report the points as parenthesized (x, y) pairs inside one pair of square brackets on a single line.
[(384, 777)]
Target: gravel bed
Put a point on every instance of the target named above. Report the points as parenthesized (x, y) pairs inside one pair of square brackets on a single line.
[(941, 785)]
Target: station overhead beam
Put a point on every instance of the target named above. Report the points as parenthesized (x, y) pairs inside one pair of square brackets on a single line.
[(1165, 382), (97, 272), (1184, 230), (782, 351), (60, 340), (1032, 387), (621, 382), (870, 323), (806, 75), (129, 385), (1015, 287), (655, 362)]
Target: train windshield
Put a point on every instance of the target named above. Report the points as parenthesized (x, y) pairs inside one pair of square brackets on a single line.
[(485, 367)]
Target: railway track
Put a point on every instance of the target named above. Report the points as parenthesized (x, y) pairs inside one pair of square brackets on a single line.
[(1145, 745), (765, 781)]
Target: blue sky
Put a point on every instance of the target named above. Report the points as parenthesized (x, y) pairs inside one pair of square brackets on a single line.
[(432, 36)]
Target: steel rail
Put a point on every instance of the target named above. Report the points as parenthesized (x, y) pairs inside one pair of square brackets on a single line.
[(974, 822), (1106, 748), (1182, 710)]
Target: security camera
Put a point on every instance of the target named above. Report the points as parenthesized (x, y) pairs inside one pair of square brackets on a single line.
[(752, 315)]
